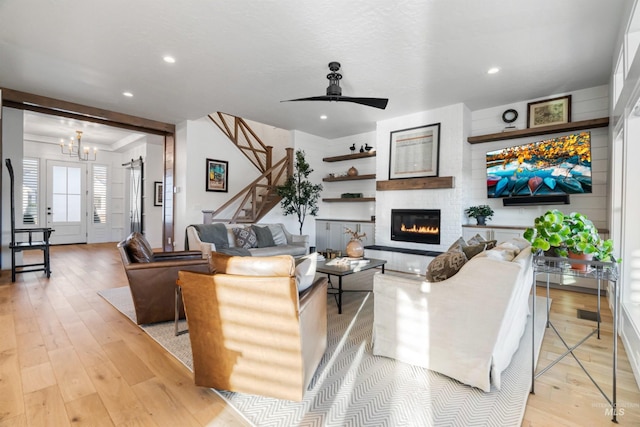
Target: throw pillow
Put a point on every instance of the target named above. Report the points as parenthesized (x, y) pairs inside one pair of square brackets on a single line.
[(264, 236), (458, 245), (278, 234), (213, 233), (445, 265), (499, 254), (473, 250), (138, 248), (508, 246), (306, 271), (245, 237), (520, 242), (479, 239)]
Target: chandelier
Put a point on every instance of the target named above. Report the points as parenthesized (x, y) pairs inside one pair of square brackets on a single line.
[(76, 150)]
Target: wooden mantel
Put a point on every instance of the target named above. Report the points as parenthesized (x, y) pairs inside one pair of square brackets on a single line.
[(544, 130), (416, 183)]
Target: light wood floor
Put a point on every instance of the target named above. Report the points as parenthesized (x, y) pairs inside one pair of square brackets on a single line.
[(68, 358)]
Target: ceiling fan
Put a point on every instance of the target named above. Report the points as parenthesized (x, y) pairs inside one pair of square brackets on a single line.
[(334, 92)]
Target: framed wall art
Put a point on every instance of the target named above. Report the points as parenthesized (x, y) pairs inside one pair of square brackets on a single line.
[(549, 112), (157, 193), (414, 152), (217, 175)]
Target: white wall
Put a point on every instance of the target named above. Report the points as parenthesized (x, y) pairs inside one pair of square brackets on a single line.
[(588, 103)]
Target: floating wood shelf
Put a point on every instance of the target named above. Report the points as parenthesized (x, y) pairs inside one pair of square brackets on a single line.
[(545, 130), (349, 178), (350, 199), (350, 156), (416, 183)]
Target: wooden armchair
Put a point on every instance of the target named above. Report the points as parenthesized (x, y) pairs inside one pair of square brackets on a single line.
[(249, 328), (152, 277)]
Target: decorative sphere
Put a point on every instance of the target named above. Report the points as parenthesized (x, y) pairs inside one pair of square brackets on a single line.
[(355, 249), (352, 171)]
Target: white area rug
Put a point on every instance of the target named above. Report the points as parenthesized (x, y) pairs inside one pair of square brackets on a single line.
[(354, 388)]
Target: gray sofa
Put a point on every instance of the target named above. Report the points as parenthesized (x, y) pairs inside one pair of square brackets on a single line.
[(284, 243)]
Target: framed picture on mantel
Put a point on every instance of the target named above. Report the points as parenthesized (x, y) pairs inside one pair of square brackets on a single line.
[(549, 112), (414, 152)]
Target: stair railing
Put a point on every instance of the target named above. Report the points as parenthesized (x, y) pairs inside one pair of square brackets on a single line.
[(239, 132)]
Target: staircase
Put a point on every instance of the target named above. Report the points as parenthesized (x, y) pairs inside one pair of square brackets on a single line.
[(255, 200)]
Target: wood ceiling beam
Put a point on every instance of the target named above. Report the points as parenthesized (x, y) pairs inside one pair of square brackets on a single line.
[(43, 104)]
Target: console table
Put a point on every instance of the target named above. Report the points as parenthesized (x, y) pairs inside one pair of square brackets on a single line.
[(599, 271)]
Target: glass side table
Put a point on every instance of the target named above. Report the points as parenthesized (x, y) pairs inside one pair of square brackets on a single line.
[(599, 271)]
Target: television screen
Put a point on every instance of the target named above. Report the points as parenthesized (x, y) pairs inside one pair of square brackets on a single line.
[(555, 166)]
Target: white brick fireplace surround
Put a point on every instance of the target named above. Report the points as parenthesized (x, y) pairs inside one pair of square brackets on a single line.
[(455, 161)]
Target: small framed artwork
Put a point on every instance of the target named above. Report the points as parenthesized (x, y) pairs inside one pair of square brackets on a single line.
[(157, 193), (549, 112), (217, 175), (415, 152)]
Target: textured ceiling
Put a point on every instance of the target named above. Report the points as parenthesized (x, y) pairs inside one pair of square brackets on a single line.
[(243, 57)]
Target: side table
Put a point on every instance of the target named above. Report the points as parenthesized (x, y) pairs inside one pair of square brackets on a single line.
[(596, 270)]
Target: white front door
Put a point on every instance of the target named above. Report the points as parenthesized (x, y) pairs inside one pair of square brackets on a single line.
[(66, 202)]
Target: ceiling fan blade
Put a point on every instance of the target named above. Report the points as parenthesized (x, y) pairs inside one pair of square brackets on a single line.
[(380, 103), (370, 102), (313, 98)]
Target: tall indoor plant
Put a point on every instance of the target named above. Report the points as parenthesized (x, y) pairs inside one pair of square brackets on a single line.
[(299, 195)]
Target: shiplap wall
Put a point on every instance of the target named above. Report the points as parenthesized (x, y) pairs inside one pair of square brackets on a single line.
[(588, 103)]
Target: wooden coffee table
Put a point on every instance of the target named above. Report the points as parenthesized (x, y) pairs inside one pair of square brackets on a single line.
[(345, 270)]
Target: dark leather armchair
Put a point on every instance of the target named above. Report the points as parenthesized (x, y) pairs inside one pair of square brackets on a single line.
[(249, 328), (152, 277)]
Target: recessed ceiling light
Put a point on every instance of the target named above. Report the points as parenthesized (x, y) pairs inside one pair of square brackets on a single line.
[(493, 70), (169, 59), (127, 94), (323, 117)]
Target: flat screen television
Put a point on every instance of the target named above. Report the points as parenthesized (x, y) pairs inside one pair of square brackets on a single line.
[(555, 166)]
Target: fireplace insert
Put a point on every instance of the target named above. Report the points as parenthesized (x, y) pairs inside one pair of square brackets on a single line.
[(416, 225)]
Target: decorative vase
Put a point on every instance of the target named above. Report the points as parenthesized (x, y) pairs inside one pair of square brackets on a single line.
[(481, 220), (355, 249), (352, 171), (580, 267)]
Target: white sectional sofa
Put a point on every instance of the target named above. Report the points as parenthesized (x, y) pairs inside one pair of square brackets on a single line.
[(466, 327), (284, 243)]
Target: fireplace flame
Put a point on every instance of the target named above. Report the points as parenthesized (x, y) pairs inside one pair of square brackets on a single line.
[(420, 230)]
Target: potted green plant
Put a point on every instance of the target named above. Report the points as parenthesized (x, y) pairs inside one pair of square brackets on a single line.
[(299, 195), (548, 231), (572, 236), (481, 213)]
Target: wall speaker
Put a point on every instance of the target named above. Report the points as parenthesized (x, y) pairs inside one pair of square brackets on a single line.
[(555, 199)]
